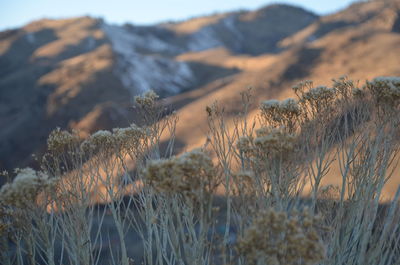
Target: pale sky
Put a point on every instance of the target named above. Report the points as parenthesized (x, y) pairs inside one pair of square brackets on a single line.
[(15, 13)]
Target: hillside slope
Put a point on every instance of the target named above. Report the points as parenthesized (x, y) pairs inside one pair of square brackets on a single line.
[(81, 73), (361, 41)]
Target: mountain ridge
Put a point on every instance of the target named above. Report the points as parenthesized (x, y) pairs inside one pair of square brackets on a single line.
[(82, 73)]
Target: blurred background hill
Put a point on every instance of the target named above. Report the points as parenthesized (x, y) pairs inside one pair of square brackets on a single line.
[(82, 73)]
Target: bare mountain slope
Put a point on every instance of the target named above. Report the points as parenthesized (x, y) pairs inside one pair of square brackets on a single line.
[(362, 42), (82, 72)]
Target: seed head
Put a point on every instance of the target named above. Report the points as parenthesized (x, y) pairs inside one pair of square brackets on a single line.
[(385, 89), (274, 141), (270, 104), (286, 106), (290, 105), (191, 174), (274, 236), (358, 92), (299, 87), (244, 181), (244, 144), (60, 141), (99, 140), (278, 113), (319, 93), (146, 100), (25, 188), (129, 137)]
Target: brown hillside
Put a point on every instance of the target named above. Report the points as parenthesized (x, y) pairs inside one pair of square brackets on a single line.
[(80, 73)]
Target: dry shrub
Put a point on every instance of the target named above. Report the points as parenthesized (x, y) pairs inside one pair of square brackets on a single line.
[(170, 202)]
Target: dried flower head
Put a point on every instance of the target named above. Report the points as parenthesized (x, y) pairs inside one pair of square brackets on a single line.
[(244, 144), (60, 141), (300, 87), (128, 138), (25, 188), (385, 89), (146, 100), (284, 112), (103, 140), (244, 181), (290, 105), (358, 92), (191, 174), (328, 197), (329, 192), (344, 86), (5, 217), (270, 104), (319, 93), (274, 141), (275, 237)]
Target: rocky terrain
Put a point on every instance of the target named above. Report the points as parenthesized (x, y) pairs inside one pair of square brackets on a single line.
[(82, 73)]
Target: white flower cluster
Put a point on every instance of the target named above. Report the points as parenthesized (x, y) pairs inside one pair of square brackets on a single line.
[(344, 85), (190, 174), (101, 137), (244, 144), (130, 136), (319, 93), (274, 140), (290, 105), (244, 181), (385, 88), (25, 188), (276, 238), (278, 111), (299, 87), (60, 140), (148, 99), (270, 104), (117, 139), (357, 92), (395, 80)]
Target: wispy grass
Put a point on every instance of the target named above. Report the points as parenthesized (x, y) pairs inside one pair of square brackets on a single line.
[(166, 210)]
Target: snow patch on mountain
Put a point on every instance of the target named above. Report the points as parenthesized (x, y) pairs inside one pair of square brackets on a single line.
[(30, 37), (229, 23), (90, 43), (123, 39), (141, 72), (208, 37), (204, 39)]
